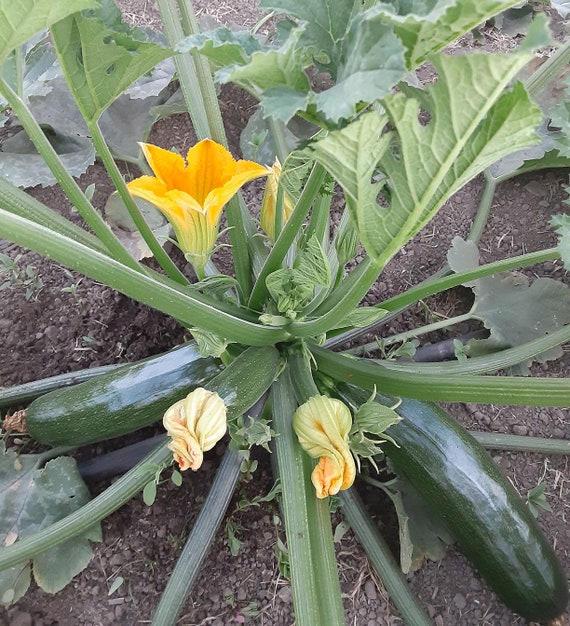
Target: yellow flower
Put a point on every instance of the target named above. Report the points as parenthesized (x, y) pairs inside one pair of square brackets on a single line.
[(195, 424), (192, 194), (322, 425), (268, 205)]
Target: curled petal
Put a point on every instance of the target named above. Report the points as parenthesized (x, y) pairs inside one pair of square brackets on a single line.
[(322, 425), (195, 425)]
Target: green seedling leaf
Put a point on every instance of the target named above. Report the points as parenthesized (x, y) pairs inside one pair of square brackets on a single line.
[(32, 499), (536, 500), (176, 478), (562, 225), (123, 226), (83, 42), (117, 582), (149, 493), (514, 311), (21, 19)]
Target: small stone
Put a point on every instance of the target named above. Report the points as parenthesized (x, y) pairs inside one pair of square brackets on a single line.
[(558, 433), (370, 590), (284, 594), (241, 594), (520, 429), (459, 601)]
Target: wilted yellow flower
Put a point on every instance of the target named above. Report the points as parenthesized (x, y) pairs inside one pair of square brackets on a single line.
[(322, 425), (269, 203), (195, 424), (192, 194)]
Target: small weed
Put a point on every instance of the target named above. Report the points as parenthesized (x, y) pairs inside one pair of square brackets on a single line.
[(17, 277)]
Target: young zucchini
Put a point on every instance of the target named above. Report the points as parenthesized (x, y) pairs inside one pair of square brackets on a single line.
[(463, 488), (120, 401)]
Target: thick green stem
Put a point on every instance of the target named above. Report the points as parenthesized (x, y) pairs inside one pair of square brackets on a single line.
[(189, 307), (199, 542), (430, 287), (81, 520), (185, 68), (415, 332), (204, 78), (519, 443), (514, 390), (64, 178), (158, 252), (382, 559), (314, 577), (548, 71), (287, 235)]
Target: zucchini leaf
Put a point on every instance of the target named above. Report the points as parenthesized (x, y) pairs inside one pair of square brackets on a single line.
[(21, 19), (33, 498), (515, 311), (468, 130), (81, 42)]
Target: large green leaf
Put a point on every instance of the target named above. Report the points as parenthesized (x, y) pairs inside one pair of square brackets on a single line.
[(32, 499), (514, 311), (21, 19), (427, 26), (472, 123), (101, 57), (562, 225)]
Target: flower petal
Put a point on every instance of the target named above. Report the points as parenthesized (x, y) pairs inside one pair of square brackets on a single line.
[(167, 166), (218, 197), (327, 477), (209, 165)]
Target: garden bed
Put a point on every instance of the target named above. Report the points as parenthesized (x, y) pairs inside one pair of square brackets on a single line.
[(68, 323)]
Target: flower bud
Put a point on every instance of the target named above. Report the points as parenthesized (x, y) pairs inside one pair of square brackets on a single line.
[(269, 202), (195, 425), (322, 425)]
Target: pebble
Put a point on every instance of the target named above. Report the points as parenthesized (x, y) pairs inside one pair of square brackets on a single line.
[(520, 429), (284, 594), (370, 590), (459, 601), (241, 594)]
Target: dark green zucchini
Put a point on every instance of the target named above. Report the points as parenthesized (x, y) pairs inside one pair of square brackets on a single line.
[(120, 401), (465, 490)]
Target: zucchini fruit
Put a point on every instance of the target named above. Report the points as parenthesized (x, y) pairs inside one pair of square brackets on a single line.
[(119, 401), (465, 490)]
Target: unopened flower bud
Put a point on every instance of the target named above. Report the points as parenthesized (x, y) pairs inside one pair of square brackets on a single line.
[(322, 425), (195, 425)]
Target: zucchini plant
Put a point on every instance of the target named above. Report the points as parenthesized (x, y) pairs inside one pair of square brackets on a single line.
[(263, 363)]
